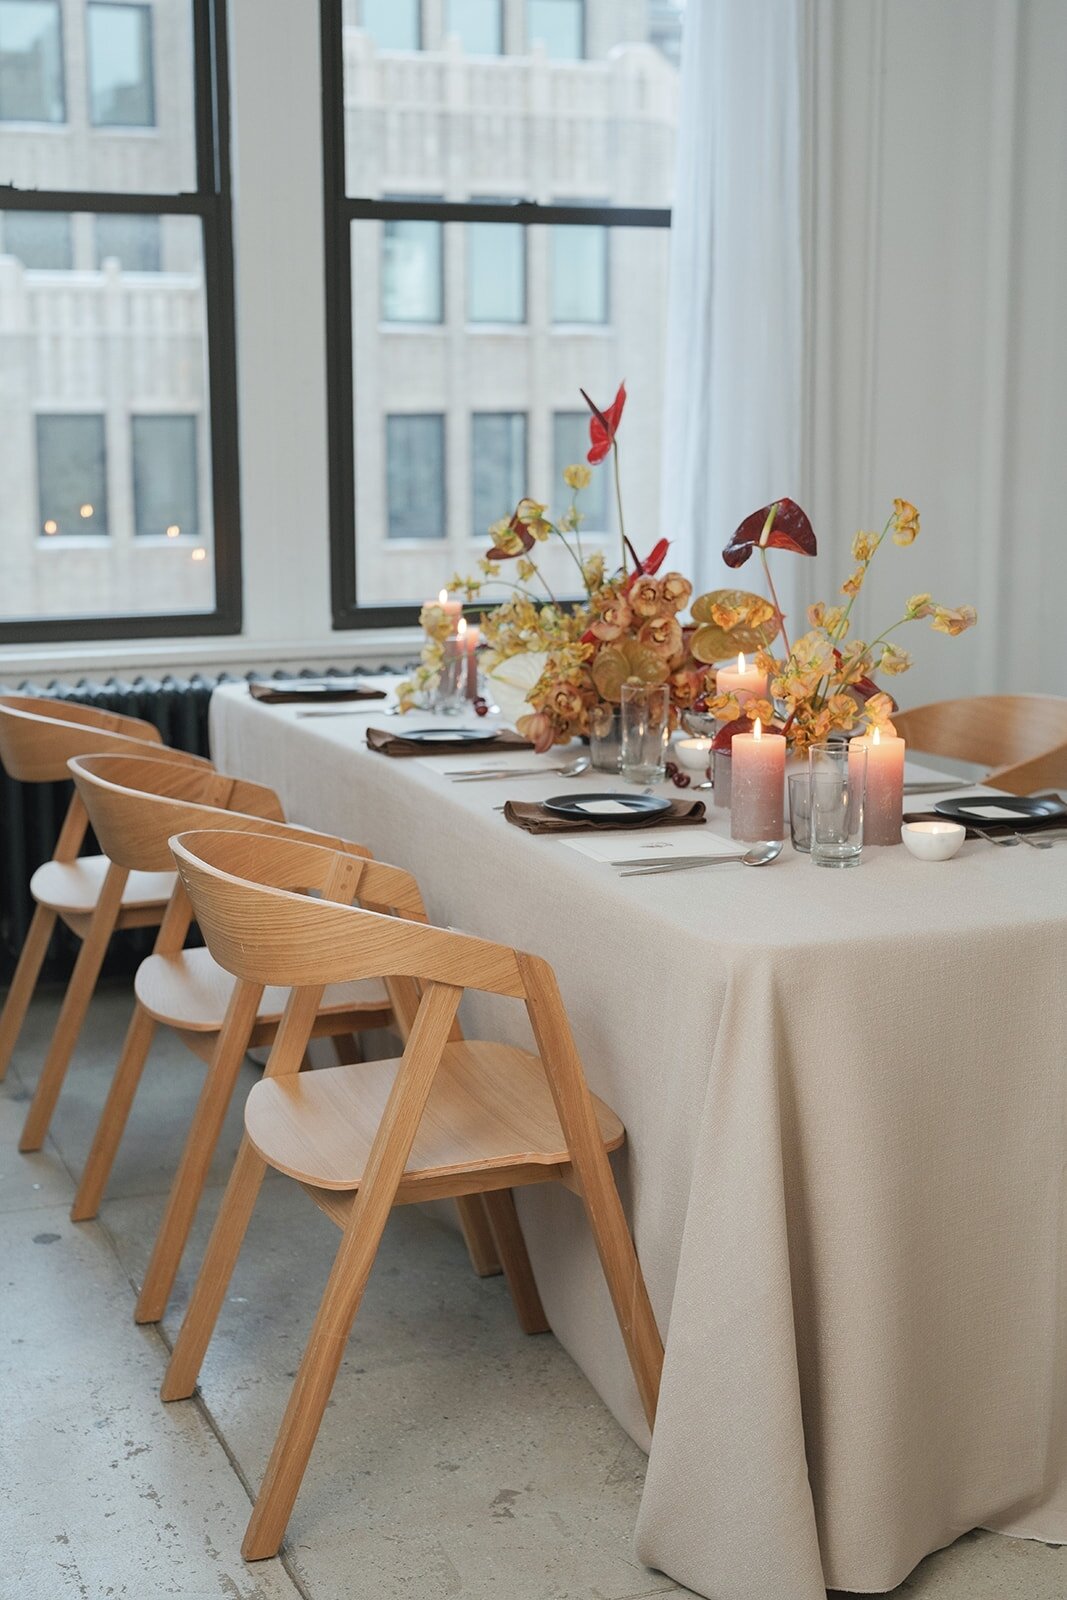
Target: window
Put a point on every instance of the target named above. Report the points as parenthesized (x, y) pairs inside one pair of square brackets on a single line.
[(415, 476), (498, 467), (570, 444), (580, 274), (477, 24), (31, 61), (39, 239), (121, 90), (118, 388), (496, 272), (557, 25), (392, 24), (71, 476), (412, 277), (132, 241), (165, 477), (461, 329)]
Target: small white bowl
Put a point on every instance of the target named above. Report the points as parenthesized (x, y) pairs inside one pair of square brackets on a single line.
[(933, 841), (694, 753)]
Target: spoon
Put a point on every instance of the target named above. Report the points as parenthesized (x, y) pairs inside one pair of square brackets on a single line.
[(760, 855), (573, 769)]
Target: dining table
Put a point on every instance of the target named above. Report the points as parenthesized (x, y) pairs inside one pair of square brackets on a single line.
[(845, 1100)]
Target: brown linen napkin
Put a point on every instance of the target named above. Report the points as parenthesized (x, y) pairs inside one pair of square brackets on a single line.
[(284, 691), (998, 829), (531, 816), (388, 743)]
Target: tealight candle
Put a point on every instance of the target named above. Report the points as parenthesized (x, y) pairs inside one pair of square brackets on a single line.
[(757, 809), (884, 806), (694, 753), (746, 682)]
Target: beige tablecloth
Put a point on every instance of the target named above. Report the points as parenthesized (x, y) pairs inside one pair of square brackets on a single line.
[(845, 1097)]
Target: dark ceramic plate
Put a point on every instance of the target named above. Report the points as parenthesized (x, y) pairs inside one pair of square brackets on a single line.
[(583, 807)]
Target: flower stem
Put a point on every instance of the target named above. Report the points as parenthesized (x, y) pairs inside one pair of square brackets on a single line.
[(774, 599), (618, 502)]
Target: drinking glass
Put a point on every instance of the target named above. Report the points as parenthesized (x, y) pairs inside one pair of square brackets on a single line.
[(645, 730), (800, 810), (451, 693), (604, 738), (838, 787)]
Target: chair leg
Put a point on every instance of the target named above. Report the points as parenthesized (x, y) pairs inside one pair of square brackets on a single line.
[(511, 1248), (224, 1246), (347, 1049), (75, 1005), (24, 982), (477, 1235), (113, 1118), (203, 1137)]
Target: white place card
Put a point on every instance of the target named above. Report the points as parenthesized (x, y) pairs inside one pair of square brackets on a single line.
[(657, 844), (991, 812)]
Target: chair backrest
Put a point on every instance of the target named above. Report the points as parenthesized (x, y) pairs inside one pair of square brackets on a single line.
[(39, 736), (1020, 739)]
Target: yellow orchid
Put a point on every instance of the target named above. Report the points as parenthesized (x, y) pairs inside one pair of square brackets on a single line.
[(863, 546), (577, 476), (953, 620), (894, 660), (905, 522)]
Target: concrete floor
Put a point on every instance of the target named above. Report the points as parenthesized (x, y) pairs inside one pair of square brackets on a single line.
[(458, 1458)]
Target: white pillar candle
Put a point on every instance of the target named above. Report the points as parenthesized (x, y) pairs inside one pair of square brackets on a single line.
[(883, 808), (757, 803), (746, 682)]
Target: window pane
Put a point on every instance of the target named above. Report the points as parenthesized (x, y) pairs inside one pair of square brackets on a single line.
[(558, 25), (496, 272), (477, 24), (134, 242), (166, 484), (570, 445), (76, 348), (38, 239), (392, 24), (580, 274), (31, 61), (71, 476), (498, 467), (412, 287), (121, 91), (415, 475)]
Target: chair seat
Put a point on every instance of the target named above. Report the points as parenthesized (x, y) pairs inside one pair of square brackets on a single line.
[(191, 991), (73, 887), (490, 1106)]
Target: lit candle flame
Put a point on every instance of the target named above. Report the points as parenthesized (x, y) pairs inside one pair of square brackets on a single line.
[(741, 666), (757, 730), (442, 598), (877, 736), (461, 627)]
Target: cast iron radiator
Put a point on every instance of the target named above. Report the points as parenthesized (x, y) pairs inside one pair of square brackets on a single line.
[(31, 813)]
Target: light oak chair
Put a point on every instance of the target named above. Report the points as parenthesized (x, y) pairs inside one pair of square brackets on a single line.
[(450, 1117), (1021, 739), (135, 805), (37, 738)]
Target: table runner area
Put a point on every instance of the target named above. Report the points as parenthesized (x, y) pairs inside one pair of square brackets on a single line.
[(846, 1114)]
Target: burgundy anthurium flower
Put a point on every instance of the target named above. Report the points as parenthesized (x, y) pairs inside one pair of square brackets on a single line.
[(524, 536), (789, 529), (603, 425)]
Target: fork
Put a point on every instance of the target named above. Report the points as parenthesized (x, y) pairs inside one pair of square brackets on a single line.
[(992, 838), (1035, 844)]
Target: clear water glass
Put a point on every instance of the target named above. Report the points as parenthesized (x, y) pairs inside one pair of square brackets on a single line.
[(605, 738), (800, 810), (645, 730), (450, 695), (838, 787)]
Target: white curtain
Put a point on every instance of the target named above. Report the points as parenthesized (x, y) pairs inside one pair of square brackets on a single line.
[(735, 338)]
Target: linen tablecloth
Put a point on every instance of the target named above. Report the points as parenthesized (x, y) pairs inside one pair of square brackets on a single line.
[(845, 1098)]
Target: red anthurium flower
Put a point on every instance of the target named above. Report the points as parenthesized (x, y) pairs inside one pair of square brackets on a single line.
[(603, 425), (650, 565), (790, 529)]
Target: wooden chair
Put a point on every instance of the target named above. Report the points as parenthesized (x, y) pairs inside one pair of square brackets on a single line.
[(1020, 738), (450, 1117), (135, 805), (37, 739)]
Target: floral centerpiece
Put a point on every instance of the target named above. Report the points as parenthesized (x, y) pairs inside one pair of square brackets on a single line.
[(559, 666)]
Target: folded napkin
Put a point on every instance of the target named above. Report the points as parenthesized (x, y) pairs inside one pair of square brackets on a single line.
[(283, 691), (531, 816), (388, 743)]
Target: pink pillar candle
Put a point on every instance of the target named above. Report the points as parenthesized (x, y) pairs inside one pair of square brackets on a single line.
[(451, 608), (746, 682), (883, 809), (473, 640), (757, 788)]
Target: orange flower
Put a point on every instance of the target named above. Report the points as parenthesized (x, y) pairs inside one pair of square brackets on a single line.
[(854, 582), (953, 620), (663, 635), (676, 591), (894, 660), (615, 617), (646, 597), (539, 730), (905, 522)]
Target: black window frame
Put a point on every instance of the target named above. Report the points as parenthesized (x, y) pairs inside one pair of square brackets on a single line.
[(211, 203), (341, 210)]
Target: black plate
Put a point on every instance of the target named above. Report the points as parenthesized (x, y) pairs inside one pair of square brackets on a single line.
[(1032, 808), (576, 806), (445, 735)]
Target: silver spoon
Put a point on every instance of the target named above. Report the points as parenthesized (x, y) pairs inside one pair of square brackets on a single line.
[(573, 769), (360, 711), (1005, 842), (761, 855)]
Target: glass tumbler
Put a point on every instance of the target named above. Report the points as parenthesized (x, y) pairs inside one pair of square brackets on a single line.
[(838, 787), (645, 730), (800, 810)]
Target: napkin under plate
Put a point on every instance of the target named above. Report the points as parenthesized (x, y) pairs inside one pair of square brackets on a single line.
[(288, 691), (388, 743), (531, 816)]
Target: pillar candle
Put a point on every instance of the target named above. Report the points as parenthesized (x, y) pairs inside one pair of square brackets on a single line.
[(883, 809), (746, 682), (757, 805), (451, 608)]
